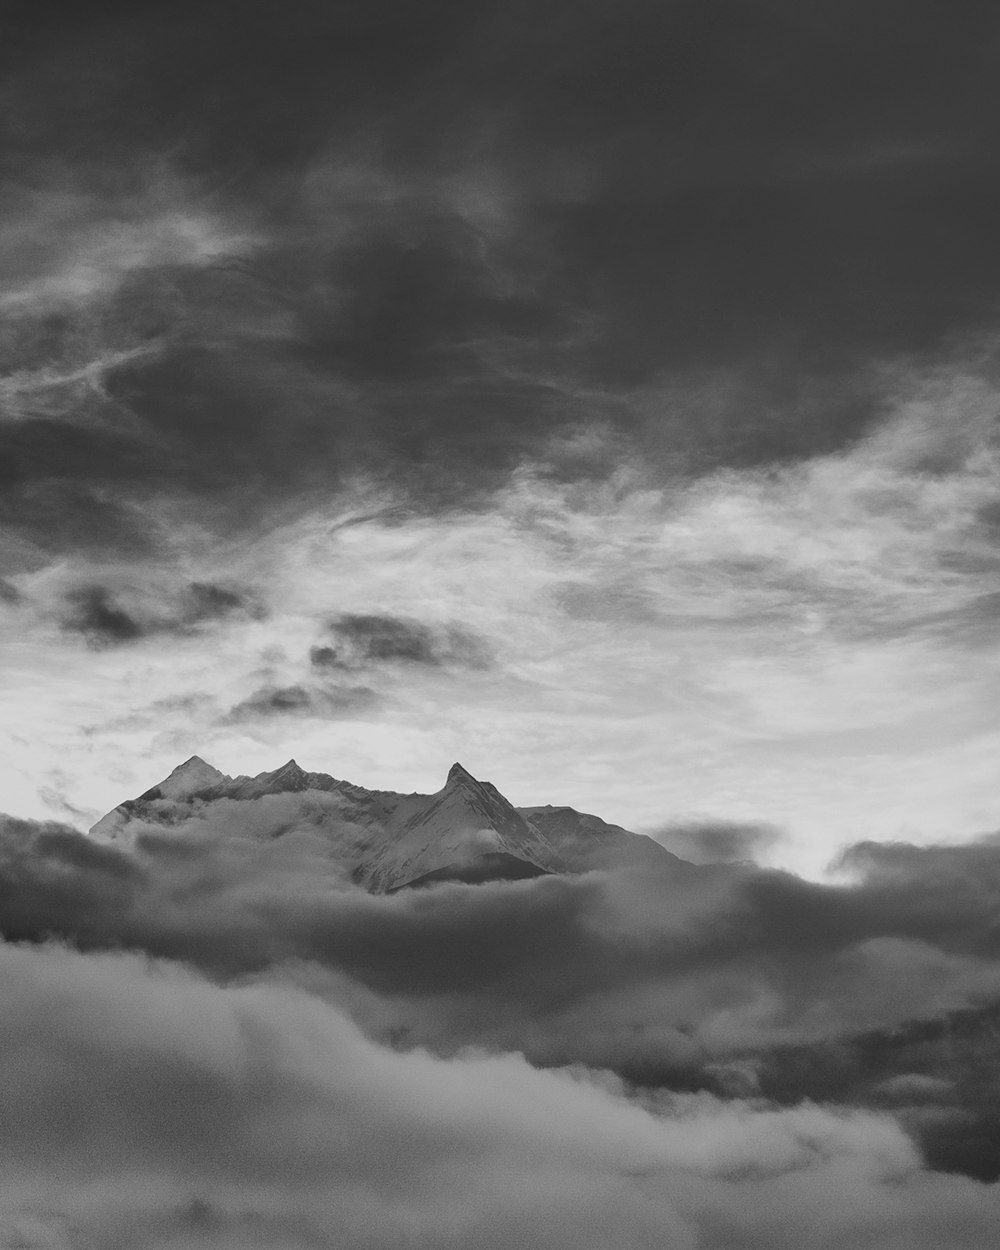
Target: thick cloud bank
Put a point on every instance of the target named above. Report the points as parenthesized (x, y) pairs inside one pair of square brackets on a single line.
[(148, 1106), (215, 1035)]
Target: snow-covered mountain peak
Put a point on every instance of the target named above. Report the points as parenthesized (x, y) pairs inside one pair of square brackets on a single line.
[(470, 789), (458, 774), (188, 778), (192, 777), (290, 775), (289, 770), (194, 761), (466, 831)]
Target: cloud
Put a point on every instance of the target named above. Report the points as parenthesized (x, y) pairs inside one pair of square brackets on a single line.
[(654, 344), (831, 612), (718, 842), (740, 982), (254, 1112), (326, 701), (880, 992), (100, 620), (64, 250), (100, 614), (221, 300), (373, 639)]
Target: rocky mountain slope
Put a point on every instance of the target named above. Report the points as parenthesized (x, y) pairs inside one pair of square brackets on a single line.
[(467, 831)]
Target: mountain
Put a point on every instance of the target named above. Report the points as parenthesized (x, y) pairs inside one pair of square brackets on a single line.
[(587, 842), (467, 831)]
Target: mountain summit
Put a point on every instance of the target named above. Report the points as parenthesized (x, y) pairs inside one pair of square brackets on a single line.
[(467, 831)]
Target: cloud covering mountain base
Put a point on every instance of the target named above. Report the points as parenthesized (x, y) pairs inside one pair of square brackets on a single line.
[(219, 1039)]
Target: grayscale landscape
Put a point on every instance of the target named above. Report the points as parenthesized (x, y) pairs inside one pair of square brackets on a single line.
[(568, 436)]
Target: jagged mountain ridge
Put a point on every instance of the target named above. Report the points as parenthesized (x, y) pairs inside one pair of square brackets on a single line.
[(467, 831)]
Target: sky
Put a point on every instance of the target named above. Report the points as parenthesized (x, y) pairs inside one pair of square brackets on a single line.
[(603, 395), (648, 350)]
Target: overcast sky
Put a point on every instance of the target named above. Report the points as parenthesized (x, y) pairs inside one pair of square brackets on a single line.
[(604, 395)]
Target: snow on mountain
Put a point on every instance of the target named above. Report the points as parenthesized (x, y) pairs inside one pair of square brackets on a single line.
[(187, 779), (190, 777), (467, 831), (588, 842)]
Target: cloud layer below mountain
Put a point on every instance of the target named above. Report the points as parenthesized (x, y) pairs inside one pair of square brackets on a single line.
[(880, 994), (214, 1039), (260, 1115)]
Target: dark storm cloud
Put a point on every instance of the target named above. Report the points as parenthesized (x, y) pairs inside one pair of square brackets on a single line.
[(211, 602), (374, 639), (254, 251), (111, 618), (97, 617), (937, 1075), (52, 880), (387, 638), (716, 977), (323, 701), (713, 842), (325, 657)]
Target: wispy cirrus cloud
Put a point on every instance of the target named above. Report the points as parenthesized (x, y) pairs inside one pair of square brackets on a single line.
[(107, 617), (834, 611), (67, 248)]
